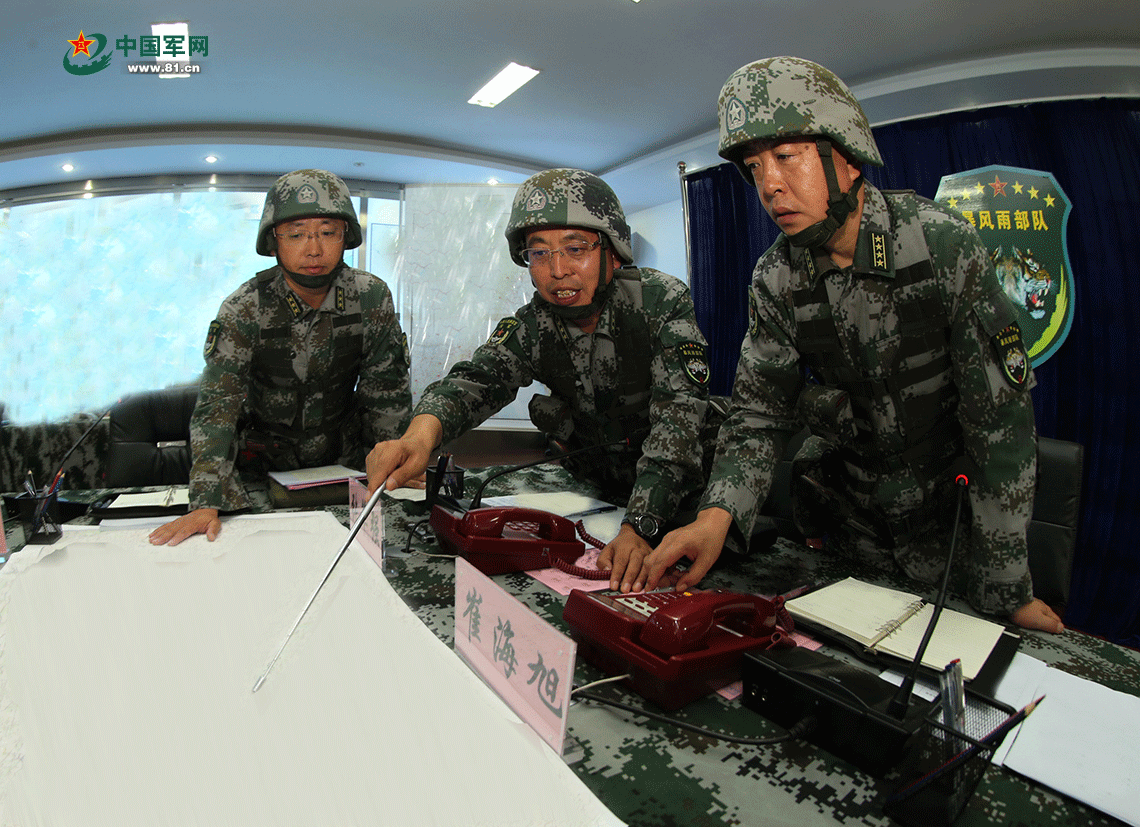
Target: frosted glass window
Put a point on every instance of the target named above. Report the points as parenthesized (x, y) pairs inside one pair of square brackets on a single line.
[(106, 296)]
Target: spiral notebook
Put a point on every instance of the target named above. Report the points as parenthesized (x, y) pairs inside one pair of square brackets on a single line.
[(893, 622)]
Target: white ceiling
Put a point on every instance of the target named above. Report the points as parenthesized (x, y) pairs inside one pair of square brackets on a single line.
[(377, 89)]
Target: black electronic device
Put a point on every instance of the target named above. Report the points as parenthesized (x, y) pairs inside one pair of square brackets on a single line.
[(849, 705), (856, 715)]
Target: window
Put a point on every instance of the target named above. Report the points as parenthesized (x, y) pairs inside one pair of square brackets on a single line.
[(113, 294)]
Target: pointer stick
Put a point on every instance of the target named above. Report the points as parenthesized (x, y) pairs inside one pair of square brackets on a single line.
[(351, 536)]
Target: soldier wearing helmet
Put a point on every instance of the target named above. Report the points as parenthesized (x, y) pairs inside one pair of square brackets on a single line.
[(618, 347), (306, 364), (876, 321)]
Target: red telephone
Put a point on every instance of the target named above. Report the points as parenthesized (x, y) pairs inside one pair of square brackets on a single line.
[(677, 646), (499, 540)]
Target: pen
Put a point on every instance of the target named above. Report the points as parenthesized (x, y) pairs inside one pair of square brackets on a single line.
[(953, 694), (799, 591), (600, 510)]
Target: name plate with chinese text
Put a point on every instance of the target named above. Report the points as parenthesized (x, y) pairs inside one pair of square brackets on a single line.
[(528, 662)]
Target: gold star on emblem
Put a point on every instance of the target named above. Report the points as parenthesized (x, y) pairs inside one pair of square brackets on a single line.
[(953, 202), (81, 44), (1018, 187), (1033, 192), (1049, 201), (965, 194), (978, 186)]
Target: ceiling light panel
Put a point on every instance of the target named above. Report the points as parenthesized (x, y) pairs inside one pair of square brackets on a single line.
[(503, 85)]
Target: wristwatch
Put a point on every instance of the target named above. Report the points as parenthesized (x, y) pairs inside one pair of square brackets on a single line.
[(645, 526)]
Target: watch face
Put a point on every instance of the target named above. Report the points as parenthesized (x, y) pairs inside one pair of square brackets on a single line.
[(646, 526)]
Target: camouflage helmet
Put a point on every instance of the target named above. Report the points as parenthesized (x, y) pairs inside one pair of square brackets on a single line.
[(788, 97), (306, 193), (567, 198)]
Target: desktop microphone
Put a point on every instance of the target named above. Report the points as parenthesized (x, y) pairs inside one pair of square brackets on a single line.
[(857, 716), (959, 469)]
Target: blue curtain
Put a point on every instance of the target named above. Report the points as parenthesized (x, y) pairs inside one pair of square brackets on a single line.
[(1083, 394)]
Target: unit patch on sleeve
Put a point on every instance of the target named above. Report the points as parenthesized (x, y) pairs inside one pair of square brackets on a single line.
[(212, 338), (696, 362), (1011, 353), (503, 332), (753, 315)]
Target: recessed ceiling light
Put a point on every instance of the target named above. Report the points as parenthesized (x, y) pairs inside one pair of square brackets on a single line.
[(492, 181), (211, 159), (89, 186), (88, 195), (67, 167), (503, 85)]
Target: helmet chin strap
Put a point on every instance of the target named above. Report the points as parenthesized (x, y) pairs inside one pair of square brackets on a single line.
[(597, 301), (839, 205), (312, 282)]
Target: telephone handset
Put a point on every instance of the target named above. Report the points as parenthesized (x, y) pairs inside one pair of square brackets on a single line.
[(677, 646), (504, 539)]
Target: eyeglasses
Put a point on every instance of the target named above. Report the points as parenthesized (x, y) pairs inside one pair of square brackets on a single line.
[(538, 257), (325, 235)]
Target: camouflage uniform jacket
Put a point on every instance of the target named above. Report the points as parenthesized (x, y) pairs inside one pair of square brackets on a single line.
[(628, 378), (304, 399), (991, 417)]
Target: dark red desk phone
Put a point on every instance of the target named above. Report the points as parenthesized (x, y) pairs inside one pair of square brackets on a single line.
[(677, 646), (499, 540)]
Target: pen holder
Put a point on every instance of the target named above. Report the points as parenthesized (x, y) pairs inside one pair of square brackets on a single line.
[(944, 765), (447, 484), (39, 517)]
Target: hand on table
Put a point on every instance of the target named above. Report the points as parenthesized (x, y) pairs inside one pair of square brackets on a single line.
[(1036, 614), (199, 521)]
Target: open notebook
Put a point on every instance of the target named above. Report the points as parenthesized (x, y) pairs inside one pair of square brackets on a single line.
[(893, 622)]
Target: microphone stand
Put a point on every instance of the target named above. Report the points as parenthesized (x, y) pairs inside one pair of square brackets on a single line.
[(901, 700)]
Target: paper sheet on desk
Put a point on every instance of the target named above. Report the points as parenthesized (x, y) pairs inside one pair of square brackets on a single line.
[(308, 477), (166, 497), (364, 697), (1079, 741)]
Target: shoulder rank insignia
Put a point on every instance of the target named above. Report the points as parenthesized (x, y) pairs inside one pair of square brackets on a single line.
[(1011, 353), (341, 302), (294, 305), (212, 338), (753, 315), (696, 362), (503, 332)]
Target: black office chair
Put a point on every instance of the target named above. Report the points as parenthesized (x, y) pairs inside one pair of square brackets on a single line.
[(150, 438), (1052, 535)]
